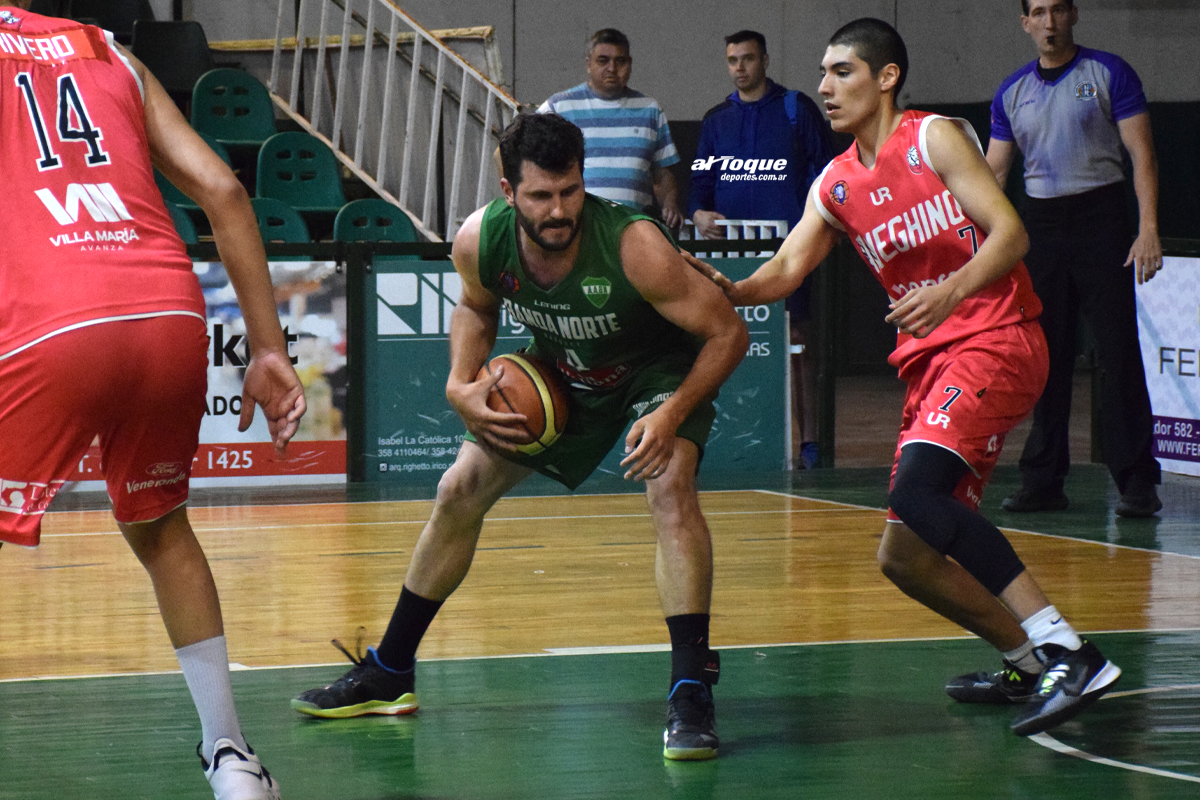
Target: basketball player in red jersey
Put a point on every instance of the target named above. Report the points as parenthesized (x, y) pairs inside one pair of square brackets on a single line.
[(916, 197), (103, 329)]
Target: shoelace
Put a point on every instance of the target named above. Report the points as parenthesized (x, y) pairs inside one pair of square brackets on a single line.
[(356, 659), (1052, 677)]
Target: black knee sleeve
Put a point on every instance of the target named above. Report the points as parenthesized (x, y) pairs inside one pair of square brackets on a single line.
[(923, 497)]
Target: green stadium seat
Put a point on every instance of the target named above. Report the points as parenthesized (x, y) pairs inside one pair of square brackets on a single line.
[(231, 106), (375, 220), (301, 171), (279, 222)]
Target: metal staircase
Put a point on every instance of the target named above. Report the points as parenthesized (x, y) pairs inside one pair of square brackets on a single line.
[(409, 116)]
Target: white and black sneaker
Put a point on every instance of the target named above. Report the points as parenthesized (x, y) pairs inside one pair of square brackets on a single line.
[(1072, 681), (237, 774)]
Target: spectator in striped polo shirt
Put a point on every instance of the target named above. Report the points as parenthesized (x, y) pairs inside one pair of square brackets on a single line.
[(627, 142)]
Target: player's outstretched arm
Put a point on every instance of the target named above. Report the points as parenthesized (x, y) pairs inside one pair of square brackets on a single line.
[(961, 166), (473, 328), (804, 248), (190, 164), (684, 297)]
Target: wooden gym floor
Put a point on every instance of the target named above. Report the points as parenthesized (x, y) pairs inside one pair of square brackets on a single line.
[(545, 675)]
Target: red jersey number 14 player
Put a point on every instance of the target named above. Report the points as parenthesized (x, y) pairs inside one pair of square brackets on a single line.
[(103, 330), (915, 196)]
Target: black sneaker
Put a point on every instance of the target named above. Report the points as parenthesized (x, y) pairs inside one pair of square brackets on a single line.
[(1025, 500), (691, 733), (1010, 685), (368, 688), (1072, 681), (1138, 504)]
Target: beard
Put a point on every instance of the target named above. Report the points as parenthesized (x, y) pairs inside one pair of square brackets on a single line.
[(534, 231)]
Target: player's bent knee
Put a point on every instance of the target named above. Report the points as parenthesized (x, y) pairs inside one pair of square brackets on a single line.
[(472, 484), (459, 489), (903, 555), (922, 510)]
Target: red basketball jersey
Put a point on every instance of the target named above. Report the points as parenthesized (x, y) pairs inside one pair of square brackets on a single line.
[(912, 232), (89, 238)]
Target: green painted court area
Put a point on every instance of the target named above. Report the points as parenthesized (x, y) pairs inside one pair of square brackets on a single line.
[(825, 721), (850, 720)]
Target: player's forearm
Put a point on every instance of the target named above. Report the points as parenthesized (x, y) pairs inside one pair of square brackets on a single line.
[(472, 336), (1004, 247), (715, 362), (240, 249), (774, 280)]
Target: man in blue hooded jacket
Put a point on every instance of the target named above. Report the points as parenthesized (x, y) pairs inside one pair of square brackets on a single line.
[(759, 152)]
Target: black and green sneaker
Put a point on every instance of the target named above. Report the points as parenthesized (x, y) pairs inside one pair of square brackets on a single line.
[(691, 733), (368, 688), (1072, 681), (1010, 685)]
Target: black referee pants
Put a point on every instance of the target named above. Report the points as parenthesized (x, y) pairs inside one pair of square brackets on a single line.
[(1078, 246)]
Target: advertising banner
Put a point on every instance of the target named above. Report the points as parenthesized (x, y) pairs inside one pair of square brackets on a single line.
[(413, 436), (311, 297), (1168, 310)]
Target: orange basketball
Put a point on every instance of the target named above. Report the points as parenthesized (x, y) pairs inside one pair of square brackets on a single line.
[(533, 388)]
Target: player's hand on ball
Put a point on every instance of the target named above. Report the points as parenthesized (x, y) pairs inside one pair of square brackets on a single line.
[(650, 444), (708, 271), (493, 428), (921, 310)]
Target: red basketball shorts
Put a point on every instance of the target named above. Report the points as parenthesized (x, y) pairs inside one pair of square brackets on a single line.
[(137, 384), (970, 395)]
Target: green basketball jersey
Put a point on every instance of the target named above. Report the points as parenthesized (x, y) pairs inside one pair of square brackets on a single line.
[(593, 325)]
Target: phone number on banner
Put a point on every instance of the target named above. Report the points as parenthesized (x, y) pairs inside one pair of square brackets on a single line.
[(1177, 438), (249, 459)]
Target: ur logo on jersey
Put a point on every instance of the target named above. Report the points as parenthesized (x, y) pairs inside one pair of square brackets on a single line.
[(596, 290), (1085, 91), (100, 200)]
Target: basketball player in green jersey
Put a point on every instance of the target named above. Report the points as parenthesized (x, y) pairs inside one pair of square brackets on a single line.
[(636, 334)]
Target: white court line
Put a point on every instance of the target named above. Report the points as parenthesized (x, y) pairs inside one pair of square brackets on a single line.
[(1182, 687), (300, 526), (552, 652), (1001, 527), (1046, 740)]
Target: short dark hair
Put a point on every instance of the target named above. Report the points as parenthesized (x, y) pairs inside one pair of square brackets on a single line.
[(551, 142), (608, 36), (877, 43), (1025, 6), (747, 36)]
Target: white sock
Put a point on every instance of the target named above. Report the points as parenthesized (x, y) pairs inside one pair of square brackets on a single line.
[(1048, 627), (206, 669), (1023, 658)]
